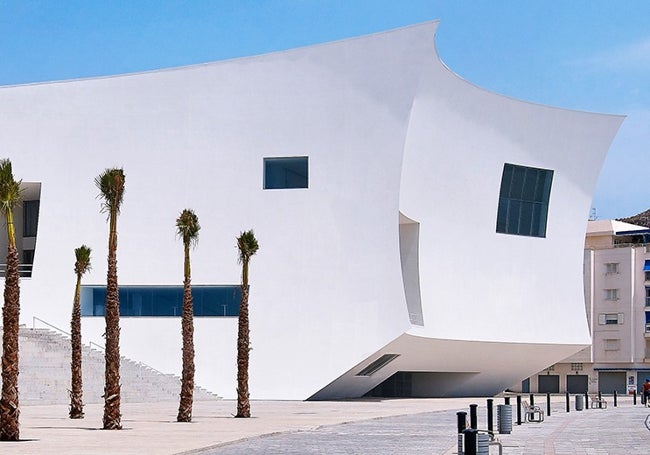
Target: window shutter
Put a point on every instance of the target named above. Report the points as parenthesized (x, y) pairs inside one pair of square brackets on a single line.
[(601, 319), (621, 318)]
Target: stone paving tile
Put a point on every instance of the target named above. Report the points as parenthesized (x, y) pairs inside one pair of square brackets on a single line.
[(613, 431)]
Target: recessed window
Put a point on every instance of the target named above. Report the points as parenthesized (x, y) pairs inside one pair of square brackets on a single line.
[(611, 268), (647, 296), (610, 318), (611, 294), (285, 173), (576, 366), (523, 200), (30, 218)]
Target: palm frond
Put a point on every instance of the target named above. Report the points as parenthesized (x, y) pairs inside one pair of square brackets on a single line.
[(82, 263), (111, 189), (10, 191), (188, 227), (247, 245)]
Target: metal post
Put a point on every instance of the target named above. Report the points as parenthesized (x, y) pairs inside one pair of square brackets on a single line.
[(586, 400), (615, 399), (470, 441), (600, 400), (473, 419), (568, 402), (518, 409), (490, 415), (532, 400), (634, 398), (548, 403), (461, 420)]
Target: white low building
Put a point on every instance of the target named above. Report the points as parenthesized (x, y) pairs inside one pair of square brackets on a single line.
[(419, 236)]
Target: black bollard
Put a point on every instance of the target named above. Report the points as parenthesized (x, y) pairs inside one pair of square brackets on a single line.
[(490, 415), (518, 409), (473, 418), (615, 399), (568, 402), (532, 400), (586, 400), (634, 398), (548, 403), (461, 420), (600, 400), (470, 441)]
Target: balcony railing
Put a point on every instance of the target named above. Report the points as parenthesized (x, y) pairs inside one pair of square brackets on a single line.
[(25, 270)]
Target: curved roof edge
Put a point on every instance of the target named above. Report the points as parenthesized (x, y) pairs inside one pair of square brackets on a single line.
[(433, 24)]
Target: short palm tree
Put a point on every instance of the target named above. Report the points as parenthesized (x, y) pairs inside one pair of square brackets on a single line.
[(247, 246), (81, 266), (187, 228), (111, 191), (10, 195)]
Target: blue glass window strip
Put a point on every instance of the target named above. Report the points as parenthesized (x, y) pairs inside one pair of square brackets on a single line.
[(523, 200), (286, 173), (152, 301)]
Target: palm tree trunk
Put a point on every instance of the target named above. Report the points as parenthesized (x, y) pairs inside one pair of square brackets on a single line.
[(112, 416), (187, 383), (9, 410), (76, 394), (243, 349)]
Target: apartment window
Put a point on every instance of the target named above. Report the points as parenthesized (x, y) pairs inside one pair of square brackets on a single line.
[(523, 200), (576, 366), (647, 276), (647, 297), (28, 256), (30, 218), (612, 344), (611, 294), (285, 173), (610, 318), (611, 268)]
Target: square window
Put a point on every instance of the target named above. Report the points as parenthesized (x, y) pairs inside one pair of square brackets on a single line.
[(613, 344), (611, 268), (286, 173), (523, 200), (610, 318), (611, 294)]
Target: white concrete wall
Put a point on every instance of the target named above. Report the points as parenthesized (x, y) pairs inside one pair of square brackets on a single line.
[(387, 128)]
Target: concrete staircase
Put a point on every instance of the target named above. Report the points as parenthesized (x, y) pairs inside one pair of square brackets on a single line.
[(45, 374)]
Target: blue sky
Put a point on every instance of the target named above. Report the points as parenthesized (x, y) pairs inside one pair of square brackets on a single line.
[(582, 54)]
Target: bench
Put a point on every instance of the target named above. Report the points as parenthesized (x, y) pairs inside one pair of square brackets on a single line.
[(532, 413), (597, 403)]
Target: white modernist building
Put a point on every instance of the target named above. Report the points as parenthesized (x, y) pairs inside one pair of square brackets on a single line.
[(419, 236)]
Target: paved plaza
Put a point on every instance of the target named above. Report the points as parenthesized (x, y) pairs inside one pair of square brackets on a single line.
[(397, 426)]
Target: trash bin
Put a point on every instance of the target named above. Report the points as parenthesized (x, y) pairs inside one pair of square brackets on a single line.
[(504, 418), (580, 402)]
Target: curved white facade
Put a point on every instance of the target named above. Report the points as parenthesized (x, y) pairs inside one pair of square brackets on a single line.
[(399, 148)]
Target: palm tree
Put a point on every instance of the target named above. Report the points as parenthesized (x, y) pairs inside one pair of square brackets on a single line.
[(81, 266), (111, 187), (248, 246), (187, 227), (10, 194)]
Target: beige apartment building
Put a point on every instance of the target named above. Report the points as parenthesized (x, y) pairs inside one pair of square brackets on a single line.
[(617, 303)]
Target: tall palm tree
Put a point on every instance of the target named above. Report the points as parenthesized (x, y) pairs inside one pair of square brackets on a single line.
[(187, 227), (81, 266), (111, 191), (248, 246), (10, 195)]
